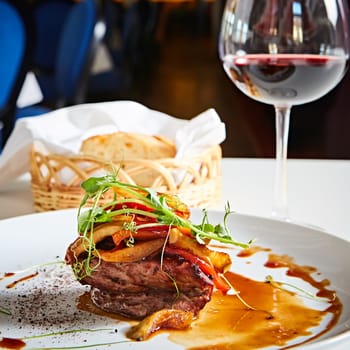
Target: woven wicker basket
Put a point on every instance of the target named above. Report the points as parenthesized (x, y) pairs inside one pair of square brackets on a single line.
[(56, 178)]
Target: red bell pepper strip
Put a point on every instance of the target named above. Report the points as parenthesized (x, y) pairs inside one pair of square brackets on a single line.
[(208, 269)]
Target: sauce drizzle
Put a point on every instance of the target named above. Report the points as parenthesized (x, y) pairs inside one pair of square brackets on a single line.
[(6, 275), (12, 343), (278, 318), (245, 253), (22, 279)]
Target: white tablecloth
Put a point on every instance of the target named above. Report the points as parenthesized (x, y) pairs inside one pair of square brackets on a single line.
[(318, 192)]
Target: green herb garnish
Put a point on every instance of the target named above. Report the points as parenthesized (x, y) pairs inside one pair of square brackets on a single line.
[(86, 346), (284, 286), (69, 331), (162, 209), (5, 311)]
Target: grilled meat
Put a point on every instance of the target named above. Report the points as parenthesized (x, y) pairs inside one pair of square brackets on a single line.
[(142, 255), (137, 289)]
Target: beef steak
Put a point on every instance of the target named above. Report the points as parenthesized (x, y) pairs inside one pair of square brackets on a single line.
[(137, 289)]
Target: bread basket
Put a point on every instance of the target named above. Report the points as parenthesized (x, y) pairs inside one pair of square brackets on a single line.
[(56, 178)]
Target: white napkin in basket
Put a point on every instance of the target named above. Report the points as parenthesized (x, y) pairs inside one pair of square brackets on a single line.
[(63, 130)]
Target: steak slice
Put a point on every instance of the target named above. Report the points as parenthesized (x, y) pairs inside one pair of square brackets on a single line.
[(138, 289)]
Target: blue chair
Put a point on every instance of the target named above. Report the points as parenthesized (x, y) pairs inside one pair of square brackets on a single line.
[(134, 24), (14, 59), (65, 45), (65, 39)]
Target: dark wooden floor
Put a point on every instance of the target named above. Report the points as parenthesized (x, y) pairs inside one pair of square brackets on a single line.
[(183, 76)]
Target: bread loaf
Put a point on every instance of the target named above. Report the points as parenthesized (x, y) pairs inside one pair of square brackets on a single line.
[(121, 146)]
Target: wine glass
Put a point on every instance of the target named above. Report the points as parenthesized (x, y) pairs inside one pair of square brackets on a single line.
[(284, 53)]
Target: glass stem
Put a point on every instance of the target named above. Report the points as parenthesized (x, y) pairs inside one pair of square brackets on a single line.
[(280, 209)]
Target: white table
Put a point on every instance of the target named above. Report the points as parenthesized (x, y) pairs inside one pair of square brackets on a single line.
[(318, 192)]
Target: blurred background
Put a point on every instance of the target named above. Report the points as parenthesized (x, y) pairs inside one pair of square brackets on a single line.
[(163, 54)]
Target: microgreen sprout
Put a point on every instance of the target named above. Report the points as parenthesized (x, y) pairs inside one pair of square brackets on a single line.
[(87, 346), (161, 209), (69, 331), (38, 266), (302, 292), (72, 331), (5, 311)]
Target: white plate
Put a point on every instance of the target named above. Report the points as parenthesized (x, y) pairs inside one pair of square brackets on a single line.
[(50, 300)]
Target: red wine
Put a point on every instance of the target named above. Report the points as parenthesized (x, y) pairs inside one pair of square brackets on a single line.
[(285, 79)]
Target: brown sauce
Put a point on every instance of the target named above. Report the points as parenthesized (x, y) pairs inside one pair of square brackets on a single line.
[(304, 273), (12, 343), (295, 270), (278, 317), (22, 279), (6, 275), (225, 323), (245, 253)]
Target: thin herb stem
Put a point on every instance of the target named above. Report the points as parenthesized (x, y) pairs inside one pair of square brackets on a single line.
[(53, 334), (38, 266), (70, 331), (303, 292), (87, 346), (238, 296), (5, 311)]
